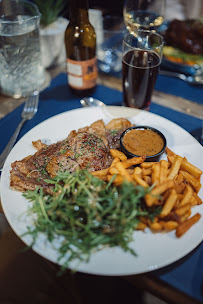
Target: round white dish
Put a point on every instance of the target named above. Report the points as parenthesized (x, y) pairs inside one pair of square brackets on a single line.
[(154, 250)]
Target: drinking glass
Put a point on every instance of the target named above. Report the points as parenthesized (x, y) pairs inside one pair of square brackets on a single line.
[(143, 14), (141, 58), (21, 71), (109, 44)]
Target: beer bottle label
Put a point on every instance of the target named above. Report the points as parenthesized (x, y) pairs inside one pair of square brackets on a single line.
[(82, 74)]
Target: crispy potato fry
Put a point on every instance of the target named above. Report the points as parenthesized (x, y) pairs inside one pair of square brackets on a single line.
[(186, 166), (191, 180), (140, 181), (137, 171), (169, 152), (147, 165), (155, 173), (175, 167), (181, 210), (156, 219), (123, 171), (100, 172), (133, 161), (163, 171), (187, 195), (119, 154), (150, 199), (179, 198), (130, 170), (141, 226), (119, 179), (169, 204), (156, 227), (146, 171), (193, 201), (147, 179), (185, 216), (170, 160), (180, 188), (182, 228), (179, 183), (165, 195), (179, 178), (198, 199), (113, 170), (169, 225), (115, 160)]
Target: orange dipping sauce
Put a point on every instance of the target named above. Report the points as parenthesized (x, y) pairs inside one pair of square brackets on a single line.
[(143, 142)]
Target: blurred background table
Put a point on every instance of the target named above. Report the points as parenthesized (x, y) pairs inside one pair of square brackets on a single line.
[(8, 104)]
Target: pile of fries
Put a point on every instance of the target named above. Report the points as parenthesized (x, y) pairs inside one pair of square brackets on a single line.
[(175, 185)]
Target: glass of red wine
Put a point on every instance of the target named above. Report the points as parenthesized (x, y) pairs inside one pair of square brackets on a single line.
[(141, 58)]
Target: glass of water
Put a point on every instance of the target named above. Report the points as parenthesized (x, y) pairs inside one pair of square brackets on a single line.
[(21, 71), (109, 44)]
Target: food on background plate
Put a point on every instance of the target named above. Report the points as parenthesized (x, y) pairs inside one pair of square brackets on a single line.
[(87, 191), (184, 42)]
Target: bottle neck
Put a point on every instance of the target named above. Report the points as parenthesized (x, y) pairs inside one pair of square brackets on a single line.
[(78, 11)]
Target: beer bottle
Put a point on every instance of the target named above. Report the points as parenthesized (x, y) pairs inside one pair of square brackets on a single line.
[(80, 42)]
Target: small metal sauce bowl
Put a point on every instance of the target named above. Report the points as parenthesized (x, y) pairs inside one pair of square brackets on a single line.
[(151, 158)]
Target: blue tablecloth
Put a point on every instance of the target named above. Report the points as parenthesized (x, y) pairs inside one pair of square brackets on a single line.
[(58, 98), (186, 274), (180, 88)]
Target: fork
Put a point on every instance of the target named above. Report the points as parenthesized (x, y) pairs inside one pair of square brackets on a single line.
[(29, 110)]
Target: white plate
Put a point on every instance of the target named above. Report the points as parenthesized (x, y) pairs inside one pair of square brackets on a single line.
[(153, 250)]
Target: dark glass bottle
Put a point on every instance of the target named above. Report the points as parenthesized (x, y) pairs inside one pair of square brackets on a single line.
[(80, 42)]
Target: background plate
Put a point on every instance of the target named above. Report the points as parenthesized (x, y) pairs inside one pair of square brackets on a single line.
[(177, 67), (173, 66), (153, 250)]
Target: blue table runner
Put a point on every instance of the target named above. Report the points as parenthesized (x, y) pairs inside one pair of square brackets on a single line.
[(177, 87), (58, 98), (186, 274)]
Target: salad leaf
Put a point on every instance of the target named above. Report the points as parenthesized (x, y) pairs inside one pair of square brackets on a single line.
[(88, 213)]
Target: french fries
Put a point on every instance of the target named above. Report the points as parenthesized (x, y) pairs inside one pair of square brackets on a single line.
[(155, 173), (175, 167), (174, 183), (182, 228), (118, 154), (169, 204)]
